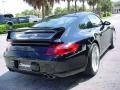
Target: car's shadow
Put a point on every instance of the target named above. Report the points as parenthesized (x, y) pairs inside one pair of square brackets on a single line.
[(15, 81)]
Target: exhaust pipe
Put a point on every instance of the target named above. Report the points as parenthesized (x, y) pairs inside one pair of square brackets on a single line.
[(50, 76)]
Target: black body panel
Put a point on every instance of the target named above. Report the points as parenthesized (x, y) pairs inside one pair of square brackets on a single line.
[(31, 47), (60, 68)]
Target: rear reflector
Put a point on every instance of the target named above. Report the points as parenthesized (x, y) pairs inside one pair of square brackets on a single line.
[(62, 49)]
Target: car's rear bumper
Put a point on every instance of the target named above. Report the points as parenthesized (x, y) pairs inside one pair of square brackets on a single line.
[(65, 68)]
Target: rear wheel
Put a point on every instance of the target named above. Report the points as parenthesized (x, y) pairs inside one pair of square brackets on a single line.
[(10, 69), (93, 60)]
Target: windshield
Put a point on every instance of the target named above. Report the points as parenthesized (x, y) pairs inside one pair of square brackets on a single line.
[(55, 21)]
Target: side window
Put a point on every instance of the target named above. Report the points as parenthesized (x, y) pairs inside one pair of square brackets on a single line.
[(85, 23), (96, 22)]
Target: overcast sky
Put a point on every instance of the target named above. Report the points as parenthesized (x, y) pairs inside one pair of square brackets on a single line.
[(15, 6)]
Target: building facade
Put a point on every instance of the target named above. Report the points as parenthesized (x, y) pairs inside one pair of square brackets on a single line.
[(116, 10)]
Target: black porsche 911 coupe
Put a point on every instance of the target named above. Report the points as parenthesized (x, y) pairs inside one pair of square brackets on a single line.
[(60, 45)]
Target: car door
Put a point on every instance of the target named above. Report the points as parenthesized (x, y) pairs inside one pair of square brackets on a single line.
[(103, 32)]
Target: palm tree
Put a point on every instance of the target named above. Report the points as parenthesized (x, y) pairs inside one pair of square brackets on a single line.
[(68, 5), (93, 3), (38, 4), (75, 5), (83, 4)]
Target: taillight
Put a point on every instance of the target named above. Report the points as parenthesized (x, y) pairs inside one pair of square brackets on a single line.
[(62, 49)]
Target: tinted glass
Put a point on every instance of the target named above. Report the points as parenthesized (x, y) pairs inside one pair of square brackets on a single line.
[(55, 21), (85, 23), (8, 15), (95, 20)]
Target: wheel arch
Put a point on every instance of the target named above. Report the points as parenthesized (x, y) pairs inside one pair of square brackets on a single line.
[(95, 41), (91, 41), (10, 23)]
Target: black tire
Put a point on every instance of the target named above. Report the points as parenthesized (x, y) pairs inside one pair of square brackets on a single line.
[(112, 40), (10, 23), (10, 69), (89, 69)]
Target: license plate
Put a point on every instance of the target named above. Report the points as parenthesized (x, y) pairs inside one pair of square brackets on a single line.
[(25, 66)]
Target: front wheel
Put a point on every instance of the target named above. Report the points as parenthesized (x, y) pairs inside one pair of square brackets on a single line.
[(93, 60)]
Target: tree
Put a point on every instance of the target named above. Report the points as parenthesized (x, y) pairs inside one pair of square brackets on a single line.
[(38, 4), (60, 10), (83, 4), (57, 11), (48, 10), (75, 5), (29, 12), (68, 5), (105, 6), (93, 3)]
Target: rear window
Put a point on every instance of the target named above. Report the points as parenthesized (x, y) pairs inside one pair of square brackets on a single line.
[(55, 21)]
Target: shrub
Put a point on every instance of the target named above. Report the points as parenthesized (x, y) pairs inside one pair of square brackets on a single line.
[(5, 27), (101, 14), (104, 15), (109, 14), (22, 25)]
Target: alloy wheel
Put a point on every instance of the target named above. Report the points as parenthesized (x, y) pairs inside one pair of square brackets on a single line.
[(95, 58)]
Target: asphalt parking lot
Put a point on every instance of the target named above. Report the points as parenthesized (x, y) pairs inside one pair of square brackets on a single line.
[(108, 77)]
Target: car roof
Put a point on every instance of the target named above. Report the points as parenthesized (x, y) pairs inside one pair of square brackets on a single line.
[(79, 14)]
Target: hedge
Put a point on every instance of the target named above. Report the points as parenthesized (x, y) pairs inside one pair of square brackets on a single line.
[(5, 27), (15, 26), (106, 14)]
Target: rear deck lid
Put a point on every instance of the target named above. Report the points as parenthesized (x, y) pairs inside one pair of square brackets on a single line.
[(35, 34)]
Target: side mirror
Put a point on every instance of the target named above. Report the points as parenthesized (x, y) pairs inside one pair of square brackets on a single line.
[(106, 23)]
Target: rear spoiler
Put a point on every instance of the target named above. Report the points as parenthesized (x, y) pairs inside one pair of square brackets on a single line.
[(58, 32)]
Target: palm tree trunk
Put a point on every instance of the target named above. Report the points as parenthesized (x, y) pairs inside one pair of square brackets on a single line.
[(83, 5), (68, 6), (38, 12), (93, 8), (43, 11), (75, 5)]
